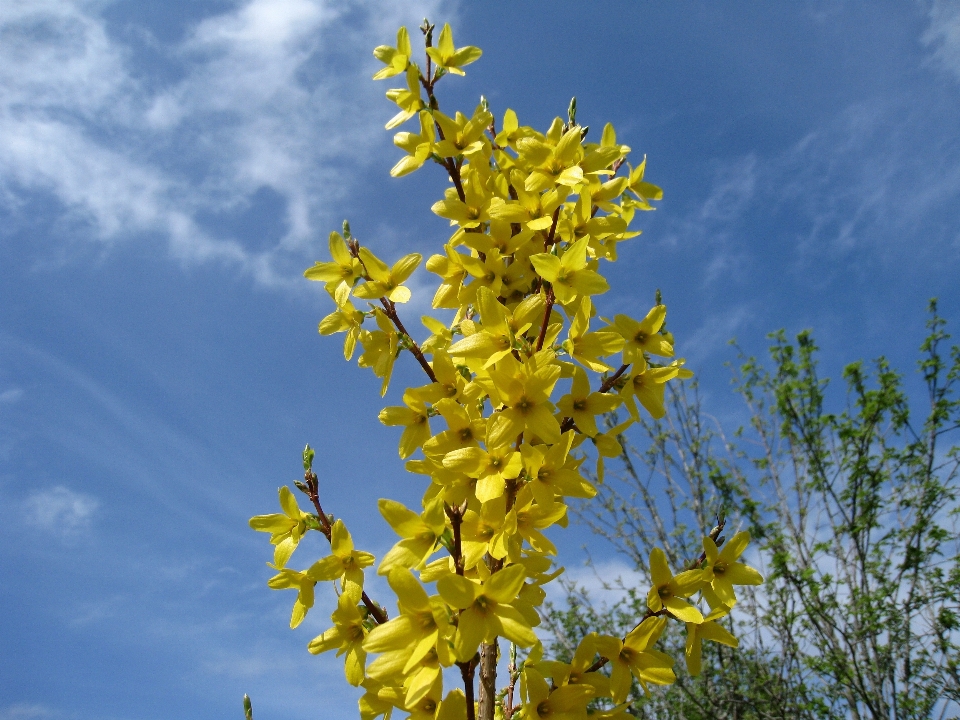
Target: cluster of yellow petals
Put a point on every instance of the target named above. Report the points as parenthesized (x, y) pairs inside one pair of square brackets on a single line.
[(517, 381)]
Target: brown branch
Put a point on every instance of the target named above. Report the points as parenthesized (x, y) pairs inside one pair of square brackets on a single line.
[(313, 492), (454, 173), (390, 310), (546, 318), (553, 228), (456, 520), (467, 670), (612, 380), (428, 83)]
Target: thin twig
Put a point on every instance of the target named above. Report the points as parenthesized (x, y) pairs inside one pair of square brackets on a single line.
[(551, 299), (390, 310), (313, 485)]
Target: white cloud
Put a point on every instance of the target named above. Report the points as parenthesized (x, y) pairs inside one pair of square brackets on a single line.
[(943, 35), (714, 334), (271, 94), (10, 396), (607, 581), (59, 510), (711, 224), (25, 711)]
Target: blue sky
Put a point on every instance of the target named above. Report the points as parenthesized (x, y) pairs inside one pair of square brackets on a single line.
[(167, 170)]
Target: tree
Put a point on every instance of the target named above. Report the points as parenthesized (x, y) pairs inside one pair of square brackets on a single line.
[(517, 380), (856, 515)]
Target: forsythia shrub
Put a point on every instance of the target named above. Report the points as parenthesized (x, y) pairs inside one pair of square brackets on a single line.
[(504, 424)]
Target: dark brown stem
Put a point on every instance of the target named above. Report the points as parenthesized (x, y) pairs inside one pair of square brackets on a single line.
[(456, 520), (313, 492), (546, 318), (390, 310), (467, 670), (553, 228), (454, 173), (451, 167), (612, 380)]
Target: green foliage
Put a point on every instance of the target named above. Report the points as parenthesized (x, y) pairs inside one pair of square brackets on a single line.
[(855, 512)]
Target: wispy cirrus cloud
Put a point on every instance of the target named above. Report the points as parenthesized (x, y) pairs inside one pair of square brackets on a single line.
[(875, 183), (59, 511), (28, 711), (943, 35), (269, 96)]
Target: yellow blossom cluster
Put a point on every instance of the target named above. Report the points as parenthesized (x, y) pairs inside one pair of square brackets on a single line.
[(505, 423)]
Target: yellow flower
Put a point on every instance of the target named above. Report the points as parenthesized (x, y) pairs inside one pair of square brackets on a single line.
[(495, 339), (380, 349), (486, 610), (376, 701), (410, 640), (437, 343), (303, 583), (552, 161), (419, 147), (583, 406), (647, 384), (343, 562), (427, 705), (528, 407), (340, 274), (384, 281), (396, 59), (722, 571), (668, 589), (575, 672), (644, 335), (588, 347), (450, 268), (568, 702), (549, 474), (420, 533), (407, 99), (451, 58), (608, 445), (285, 528), (709, 629), (346, 635), (346, 318), (489, 273), (414, 418), (643, 190), (487, 531), (460, 135), (465, 428), (533, 517), (467, 213), (491, 468), (568, 274), (635, 655), (450, 384)]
